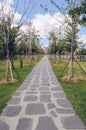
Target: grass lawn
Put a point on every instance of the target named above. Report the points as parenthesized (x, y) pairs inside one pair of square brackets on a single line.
[(76, 92), (6, 90)]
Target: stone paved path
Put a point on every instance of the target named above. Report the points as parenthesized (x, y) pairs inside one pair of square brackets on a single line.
[(40, 104)]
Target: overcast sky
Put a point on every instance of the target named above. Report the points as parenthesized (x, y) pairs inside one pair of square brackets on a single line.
[(42, 20)]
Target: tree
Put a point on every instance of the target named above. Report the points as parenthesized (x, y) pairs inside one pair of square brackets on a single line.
[(68, 37), (14, 32), (2, 45), (8, 31), (81, 50), (8, 36), (81, 12), (72, 30), (33, 39), (53, 40)]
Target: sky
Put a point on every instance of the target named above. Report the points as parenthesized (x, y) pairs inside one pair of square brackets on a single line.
[(43, 20)]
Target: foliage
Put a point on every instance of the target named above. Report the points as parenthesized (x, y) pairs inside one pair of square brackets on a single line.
[(68, 40), (82, 51), (2, 45), (55, 43), (81, 12), (5, 35), (28, 43), (12, 44)]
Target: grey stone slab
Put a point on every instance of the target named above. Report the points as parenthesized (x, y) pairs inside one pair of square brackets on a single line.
[(24, 124), (58, 84), (35, 109), (51, 105), (43, 88), (33, 89), (36, 82), (46, 123), (59, 95), (45, 98), (72, 122), (64, 103), (17, 94), (27, 80), (3, 125), (44, 72), (30, 98), (44, 77), (22, 88), (45, 92), (53, 113), (45, 84), (65, 111), (37, 79), (45, 81), (25, 83), (11, 111), (56, 89), (54, 83), (53, 79), (31, 76), (35, 86), (15, 101), (31, 92)]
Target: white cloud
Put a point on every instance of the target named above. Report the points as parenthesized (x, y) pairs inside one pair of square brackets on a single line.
[(6, 9), (10, 2), (17, 17), (42, 24), (23, 28), (82, 38), (45, 23)]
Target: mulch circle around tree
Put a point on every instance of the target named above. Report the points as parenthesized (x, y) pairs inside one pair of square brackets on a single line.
[(75, 78), (5, 81)]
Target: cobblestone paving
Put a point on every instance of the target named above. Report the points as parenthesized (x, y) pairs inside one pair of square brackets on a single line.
[(40, 104)]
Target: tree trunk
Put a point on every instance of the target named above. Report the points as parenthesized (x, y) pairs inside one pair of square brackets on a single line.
[(72, 47), (8, 65)]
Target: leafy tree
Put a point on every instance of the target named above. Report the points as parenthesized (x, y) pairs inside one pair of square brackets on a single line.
[(53, 40), (2, 45), (82, 49), (81, 12), (12, 44)]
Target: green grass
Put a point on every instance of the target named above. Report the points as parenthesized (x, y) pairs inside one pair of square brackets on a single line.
[(76, 92), (6, 90)]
